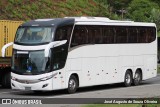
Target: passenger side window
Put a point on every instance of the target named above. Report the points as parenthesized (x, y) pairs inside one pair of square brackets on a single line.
[(79, 36), (59, 55), (132, 35), (121, 35), (63, 33), (142, 35), (151, 34), (109, 35), (91, 35), (96, 34)]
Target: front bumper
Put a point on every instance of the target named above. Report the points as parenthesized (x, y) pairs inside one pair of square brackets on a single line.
[(42, 85)]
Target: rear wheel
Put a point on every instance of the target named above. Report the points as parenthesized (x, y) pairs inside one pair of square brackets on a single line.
[(72, 84), (137, 78), (128, 78)]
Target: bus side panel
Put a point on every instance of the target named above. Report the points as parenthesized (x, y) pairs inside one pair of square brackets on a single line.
[(112, 69), (89, 72), (73, 66), (138, 63), (150, 66), (125, 62), (102, 75), (59, 79)]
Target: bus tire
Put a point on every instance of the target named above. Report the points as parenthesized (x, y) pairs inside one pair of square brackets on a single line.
[(128, 78), (6, 80), (72, 84), (137, 78)]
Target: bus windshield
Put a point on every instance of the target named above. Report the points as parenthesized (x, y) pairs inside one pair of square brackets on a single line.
[(31, 63), (33, 35)]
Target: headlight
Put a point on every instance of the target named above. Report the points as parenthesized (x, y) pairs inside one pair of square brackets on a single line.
[(13, 78), (48, 77)]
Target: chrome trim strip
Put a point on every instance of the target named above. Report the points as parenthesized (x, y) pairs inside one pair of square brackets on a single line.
[(27, 81)]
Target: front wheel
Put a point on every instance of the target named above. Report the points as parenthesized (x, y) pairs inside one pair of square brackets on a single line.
[(72, 84), (128, 78)]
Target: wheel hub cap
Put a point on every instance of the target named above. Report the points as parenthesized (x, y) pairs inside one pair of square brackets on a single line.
[(72, 84)]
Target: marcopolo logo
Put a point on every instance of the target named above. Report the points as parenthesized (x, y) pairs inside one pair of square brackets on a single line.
[(6, 101)]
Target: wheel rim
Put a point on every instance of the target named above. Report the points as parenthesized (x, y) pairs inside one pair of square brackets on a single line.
[(128, 79), (137, 77), (72, 84)]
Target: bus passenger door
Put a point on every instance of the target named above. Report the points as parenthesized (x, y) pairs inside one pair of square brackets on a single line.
[(59, 55)]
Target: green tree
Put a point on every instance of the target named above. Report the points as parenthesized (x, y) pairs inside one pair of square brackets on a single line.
[(156, 1), (119, 4), (155, 17), (140, 10)]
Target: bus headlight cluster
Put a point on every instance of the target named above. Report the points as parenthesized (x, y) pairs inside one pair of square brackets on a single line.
[(48, 77), (13, 78)]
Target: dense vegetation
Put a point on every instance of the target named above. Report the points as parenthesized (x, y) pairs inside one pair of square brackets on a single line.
[(32, 9), (137, 10)]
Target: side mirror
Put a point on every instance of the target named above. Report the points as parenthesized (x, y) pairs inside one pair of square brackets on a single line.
[(53, 44), (4, 48)]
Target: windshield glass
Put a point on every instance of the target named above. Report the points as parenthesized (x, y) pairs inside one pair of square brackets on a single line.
[(33, 35), (30, 62)]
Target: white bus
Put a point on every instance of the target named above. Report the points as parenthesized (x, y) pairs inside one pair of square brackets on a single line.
[(72, 52)]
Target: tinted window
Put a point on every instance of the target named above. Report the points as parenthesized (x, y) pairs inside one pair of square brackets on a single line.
[(79, 36), (63, 33), (59, 55), (142, 34), (121, 35), (151, 34), (95, 34), (132, 35), (109, 35)]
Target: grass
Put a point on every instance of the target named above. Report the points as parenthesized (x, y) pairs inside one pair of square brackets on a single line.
[(34, 9), (158, 33)]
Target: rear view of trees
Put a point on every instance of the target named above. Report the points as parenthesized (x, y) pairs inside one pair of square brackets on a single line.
[(136, 10)]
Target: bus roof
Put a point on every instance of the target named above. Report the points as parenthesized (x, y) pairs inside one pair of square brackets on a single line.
[(107, 21), (84, 21), (49, 22)]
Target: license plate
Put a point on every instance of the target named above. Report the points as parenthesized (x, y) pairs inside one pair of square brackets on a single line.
[(27, 88)]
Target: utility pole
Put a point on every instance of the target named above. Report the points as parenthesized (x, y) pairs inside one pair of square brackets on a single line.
[(122, 11)]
